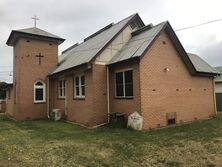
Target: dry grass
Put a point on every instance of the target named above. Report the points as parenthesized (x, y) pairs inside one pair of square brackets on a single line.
[(48, 143)]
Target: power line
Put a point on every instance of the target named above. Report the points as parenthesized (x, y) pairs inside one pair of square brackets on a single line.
[(6, 71), (197, 25), (3, 72), (181, 29)]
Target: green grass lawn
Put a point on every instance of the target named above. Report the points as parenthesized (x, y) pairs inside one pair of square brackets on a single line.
[(49, 143)]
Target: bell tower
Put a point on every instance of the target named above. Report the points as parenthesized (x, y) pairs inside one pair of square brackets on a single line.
[(35, 54)]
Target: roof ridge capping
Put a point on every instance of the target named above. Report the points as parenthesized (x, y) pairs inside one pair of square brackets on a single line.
[(142, 29), (98, 32)]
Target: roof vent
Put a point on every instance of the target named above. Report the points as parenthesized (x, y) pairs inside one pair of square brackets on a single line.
[(98, 32), (71, 47), (145, 28)]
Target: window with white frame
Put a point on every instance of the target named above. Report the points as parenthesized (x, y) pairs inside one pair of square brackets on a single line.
[(124, 84), (62, 88), (79, 85), (39, 91)]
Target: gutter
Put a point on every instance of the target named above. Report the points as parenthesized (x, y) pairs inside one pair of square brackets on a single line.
[(65, 70)]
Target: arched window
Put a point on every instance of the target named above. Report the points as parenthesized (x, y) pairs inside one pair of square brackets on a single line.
[(39, 92)]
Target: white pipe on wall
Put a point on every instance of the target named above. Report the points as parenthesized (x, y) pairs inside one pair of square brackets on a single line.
[(48, 105), (108, 102), (214, 98), (66, 87)]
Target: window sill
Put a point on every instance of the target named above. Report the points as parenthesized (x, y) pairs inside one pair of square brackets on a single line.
[(126, 98), (79, 98), (61, 98), (39, 102)]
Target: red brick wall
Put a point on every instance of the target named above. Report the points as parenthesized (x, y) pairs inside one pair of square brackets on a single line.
[(16, 68), (27, 71), (191, 97), (100, 112), (80, 110), (55, 101), (90, 111), (156, 92), (126, 106)]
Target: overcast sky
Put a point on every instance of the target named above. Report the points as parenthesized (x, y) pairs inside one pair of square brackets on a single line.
[(76, 19)]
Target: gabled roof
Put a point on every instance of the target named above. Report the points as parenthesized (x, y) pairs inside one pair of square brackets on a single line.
[(142, 40), (138, 43), (85, 52), (32, 32), (219, 78), (200, 65)]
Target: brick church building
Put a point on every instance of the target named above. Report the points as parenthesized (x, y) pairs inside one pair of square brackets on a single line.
[(124, 67)]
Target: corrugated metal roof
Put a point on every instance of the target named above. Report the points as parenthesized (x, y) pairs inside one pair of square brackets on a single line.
[(200, 65), (219, 78), (33, 32), (135, 47), (137, 44), (37, 31), (85, 51)]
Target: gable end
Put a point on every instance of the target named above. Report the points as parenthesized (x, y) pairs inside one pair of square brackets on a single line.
[(182, 53), (136, 17)]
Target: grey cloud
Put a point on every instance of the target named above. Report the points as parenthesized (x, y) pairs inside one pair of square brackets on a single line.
[(76, 19), (213, 53)]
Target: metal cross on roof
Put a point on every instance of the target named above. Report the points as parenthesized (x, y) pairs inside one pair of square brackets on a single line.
[(35, 19)]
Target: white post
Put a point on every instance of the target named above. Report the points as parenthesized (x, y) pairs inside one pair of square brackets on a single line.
[(214, 98), (107, 80), (48, 105)]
